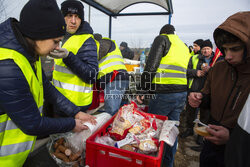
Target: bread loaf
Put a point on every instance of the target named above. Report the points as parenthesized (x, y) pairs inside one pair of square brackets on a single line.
[(201, 131)]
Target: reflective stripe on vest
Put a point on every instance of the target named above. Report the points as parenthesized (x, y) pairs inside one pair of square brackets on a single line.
[(195, 61), (14, 144), (9, 124), (69, 84), (112, 61), (173, 66), (170, 75), (73, 87), (63, 69), (15, 148)]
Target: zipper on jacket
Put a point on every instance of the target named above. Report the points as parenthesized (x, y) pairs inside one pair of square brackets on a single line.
[(236, 78), (236, 98)]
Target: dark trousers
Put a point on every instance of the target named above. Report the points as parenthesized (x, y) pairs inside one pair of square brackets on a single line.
[(192, 115), (212, 155), (238, 148)]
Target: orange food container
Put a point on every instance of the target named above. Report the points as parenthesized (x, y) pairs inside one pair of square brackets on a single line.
[(130, 67)]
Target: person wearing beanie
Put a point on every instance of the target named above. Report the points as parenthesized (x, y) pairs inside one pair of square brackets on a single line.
[(206, 43), (226, 94), (127, 53), (24, 86), (165, 70), (196, 46), (75, 72), (124, 44)]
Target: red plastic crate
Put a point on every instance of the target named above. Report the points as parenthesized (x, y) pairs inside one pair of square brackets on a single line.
[(99, 155)]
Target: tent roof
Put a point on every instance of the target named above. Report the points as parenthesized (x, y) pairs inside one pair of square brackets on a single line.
[(114, 7)]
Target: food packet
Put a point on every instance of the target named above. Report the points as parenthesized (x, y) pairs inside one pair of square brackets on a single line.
[(106, 140), (147, 146), (123, 121), (169, 132)]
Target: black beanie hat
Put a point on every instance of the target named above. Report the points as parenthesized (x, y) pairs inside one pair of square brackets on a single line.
[(42, 19), (207, 43), (73, 7), (124, 44), (198, 42), (167, 29)]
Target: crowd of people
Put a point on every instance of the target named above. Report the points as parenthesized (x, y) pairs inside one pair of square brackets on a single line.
[(213, 84)]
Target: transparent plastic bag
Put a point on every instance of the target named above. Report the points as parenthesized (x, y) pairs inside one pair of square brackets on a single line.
[(79, 162), (77, 141)]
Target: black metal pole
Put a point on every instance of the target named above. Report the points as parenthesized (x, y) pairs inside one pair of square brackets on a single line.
[(110, 26)]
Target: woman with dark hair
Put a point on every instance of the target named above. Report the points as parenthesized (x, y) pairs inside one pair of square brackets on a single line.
[(23, 85)]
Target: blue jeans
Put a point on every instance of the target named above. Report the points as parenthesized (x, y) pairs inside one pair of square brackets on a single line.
[(113, 94), (170, 105)]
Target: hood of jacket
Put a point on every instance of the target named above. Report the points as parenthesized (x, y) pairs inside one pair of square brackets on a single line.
[(238, 25), (11, 38), (84, 29), (228, 86)]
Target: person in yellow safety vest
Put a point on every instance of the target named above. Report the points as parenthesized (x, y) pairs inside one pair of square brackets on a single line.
[(24, 86), (166, 69), (76, 65), (113, 76), (196, 47)]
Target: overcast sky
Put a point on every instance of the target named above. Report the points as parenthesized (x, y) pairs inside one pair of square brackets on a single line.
[(192, 19)]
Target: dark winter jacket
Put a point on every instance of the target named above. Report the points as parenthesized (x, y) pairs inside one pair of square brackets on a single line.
[(84, 64), (198, 82), (227, 87), (159, 49), (107, 46), (15, 97)]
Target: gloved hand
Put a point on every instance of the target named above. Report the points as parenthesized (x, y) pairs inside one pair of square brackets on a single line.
[(60, 53)]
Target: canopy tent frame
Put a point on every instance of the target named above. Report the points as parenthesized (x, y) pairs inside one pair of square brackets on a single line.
[(110, 13)]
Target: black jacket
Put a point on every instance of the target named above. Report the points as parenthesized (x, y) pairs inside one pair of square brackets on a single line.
[(15, 97), (127, 53), (159, 49), (198, 82)]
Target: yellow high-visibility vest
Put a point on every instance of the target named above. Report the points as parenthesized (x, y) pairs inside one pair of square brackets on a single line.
[(195, 61), (112, 61), (173, 66), (14, 144), (192, 53), (69, 84)]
